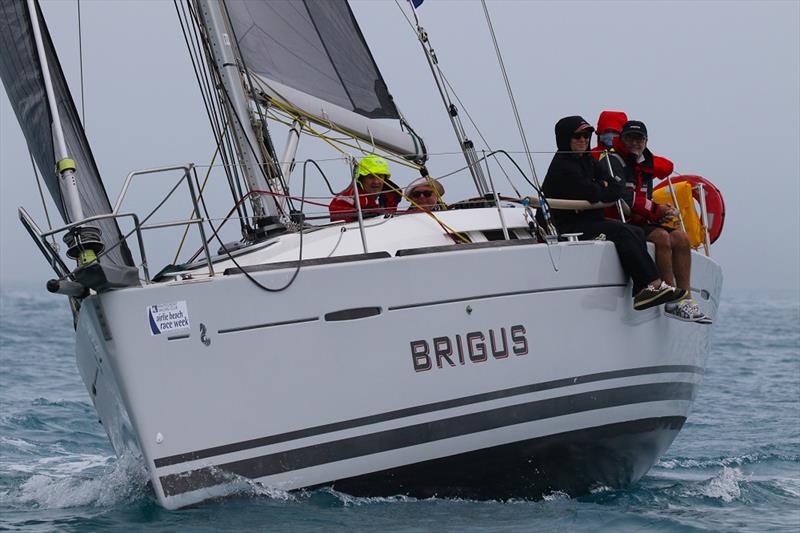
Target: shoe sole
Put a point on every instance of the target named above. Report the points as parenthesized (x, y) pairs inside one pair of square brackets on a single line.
[(704, 320), (660, 298), (676, 317)]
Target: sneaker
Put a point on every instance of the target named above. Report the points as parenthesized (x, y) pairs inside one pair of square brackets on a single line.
[(678, 295), (688, 311), (653, 296)]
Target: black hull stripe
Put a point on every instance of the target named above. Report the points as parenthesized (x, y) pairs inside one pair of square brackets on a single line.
[(420, 409), (417, 434), (574, 462), (268, 325), (502, 294)]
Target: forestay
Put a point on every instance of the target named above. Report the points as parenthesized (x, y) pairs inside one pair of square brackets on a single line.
[(313, 57), (22, 77)]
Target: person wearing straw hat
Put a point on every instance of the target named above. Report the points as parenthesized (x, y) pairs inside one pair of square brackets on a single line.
[(425, 194), (377, 195)]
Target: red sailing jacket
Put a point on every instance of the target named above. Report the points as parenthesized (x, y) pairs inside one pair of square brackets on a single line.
[(639, 183), (343, 205)]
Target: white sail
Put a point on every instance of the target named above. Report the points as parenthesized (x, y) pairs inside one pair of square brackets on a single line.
[(313, 57), (382, 132)]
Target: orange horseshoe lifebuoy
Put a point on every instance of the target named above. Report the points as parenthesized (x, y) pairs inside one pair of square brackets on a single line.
[(715, 205)]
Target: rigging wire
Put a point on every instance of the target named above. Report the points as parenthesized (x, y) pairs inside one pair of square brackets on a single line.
[(266, 139), (211, 102), (545, 208), (80, 57), (215, 70), (455, 120), (510, 93), (463, 107), (41, 195), (194, 211), (300, 247), (125, 237)]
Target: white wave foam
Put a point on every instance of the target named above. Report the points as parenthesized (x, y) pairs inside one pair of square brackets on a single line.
[(686, 463), (355, 501), (789, 486), (122, 481), (19, 444), (556, 496), (257, 489), (724, 486), (61, 465), (601, 489)]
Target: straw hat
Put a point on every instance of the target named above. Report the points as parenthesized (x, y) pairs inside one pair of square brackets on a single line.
[(430, 182)]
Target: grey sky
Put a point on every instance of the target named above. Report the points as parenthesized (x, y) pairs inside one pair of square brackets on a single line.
[(718, 84)]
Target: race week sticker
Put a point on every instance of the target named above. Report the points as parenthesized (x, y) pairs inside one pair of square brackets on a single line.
[(169, 317)]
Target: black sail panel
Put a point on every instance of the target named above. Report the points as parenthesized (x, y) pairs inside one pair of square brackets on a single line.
[(315, 47), (21, 72)]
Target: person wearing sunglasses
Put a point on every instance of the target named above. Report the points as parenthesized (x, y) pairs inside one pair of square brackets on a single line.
[(575, 175), (425, 193)]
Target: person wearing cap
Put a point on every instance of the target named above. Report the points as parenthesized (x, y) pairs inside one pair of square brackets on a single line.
[(673, 252), (425, 194), (575, 175), (609, 128), (377, 195)]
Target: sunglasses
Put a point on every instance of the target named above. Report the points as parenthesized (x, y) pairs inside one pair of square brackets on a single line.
[(419, 194), (582, 135)]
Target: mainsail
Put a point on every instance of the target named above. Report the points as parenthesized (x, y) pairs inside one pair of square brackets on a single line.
[(312, 57), (21, 72)]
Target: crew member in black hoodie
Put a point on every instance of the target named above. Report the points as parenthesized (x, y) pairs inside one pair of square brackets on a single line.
[(575, 175)]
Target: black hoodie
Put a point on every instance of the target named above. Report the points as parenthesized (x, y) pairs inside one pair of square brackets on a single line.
[(577, 176)]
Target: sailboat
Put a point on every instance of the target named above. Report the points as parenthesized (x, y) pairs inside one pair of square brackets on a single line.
[(477, 385)]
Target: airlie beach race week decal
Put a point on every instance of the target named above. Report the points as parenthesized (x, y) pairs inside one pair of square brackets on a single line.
[(169, 317)]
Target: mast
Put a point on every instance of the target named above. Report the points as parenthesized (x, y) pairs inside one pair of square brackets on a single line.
[(256, 164)]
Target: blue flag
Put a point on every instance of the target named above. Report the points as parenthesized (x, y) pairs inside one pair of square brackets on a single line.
[(416, 3)]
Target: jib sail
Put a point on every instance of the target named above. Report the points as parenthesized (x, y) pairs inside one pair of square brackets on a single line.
[(21, 72)]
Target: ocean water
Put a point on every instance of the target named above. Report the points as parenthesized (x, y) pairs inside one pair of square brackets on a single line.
[(735, 465)]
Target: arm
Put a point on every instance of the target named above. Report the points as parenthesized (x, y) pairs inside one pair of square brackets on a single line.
[(613, 172), (569, 182), (342, 207)]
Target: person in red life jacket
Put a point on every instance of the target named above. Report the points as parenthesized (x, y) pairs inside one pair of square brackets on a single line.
[(609, 128), (673, 253), (377, 195), (575, 175), (426, 194)]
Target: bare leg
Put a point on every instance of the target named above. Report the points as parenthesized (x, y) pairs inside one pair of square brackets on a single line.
[(681, 259), (663, 254)]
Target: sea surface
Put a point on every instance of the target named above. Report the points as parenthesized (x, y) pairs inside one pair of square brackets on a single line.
[(734, 467)]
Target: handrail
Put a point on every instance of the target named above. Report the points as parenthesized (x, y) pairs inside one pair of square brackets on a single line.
[(136, 225), (576, 205), (51, 255), (704, 218), (187, 169), (61, 268)]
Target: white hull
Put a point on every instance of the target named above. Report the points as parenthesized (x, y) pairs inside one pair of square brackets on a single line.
[(319, 383)]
